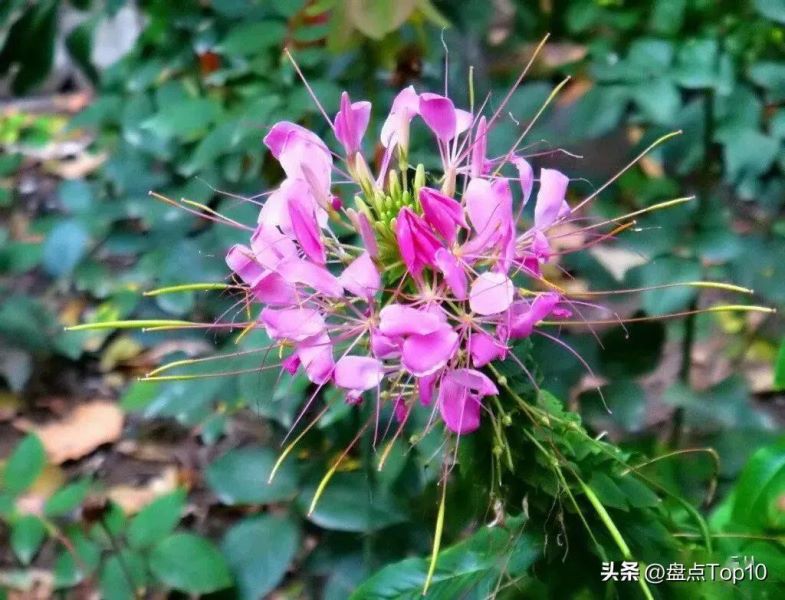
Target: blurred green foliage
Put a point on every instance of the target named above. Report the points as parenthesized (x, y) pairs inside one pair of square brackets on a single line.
[(184, 113)]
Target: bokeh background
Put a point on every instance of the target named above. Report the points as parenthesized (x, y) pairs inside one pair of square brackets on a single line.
[(108, 480)]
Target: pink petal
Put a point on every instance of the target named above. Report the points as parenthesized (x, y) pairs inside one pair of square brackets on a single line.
[(460, 396), (358, 373), (361, 277), (485, 348), (401, 409), (425, 388), (460, 410), (275, 211), (400, 320), (489, 205), (294, 324), (463, 120), (383, 346), (311, 275), (438, 112), (491, 293), (272, 289), (363, 226), (551, 203), (524, 316), (416, 243), (395, 129), (306, 229), (443, 213), (525, 176), (240, 259), (479, 148), (270, 246), (316, 355), (453, 273), (351, 123), (425, 354), (291, 363), (296, 147)]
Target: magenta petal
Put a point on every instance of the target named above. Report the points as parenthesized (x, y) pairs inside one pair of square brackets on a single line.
[(491, 293), (425, 388), (400, 320), (291, 363), (311, 275), (401, 409), (459, 408), (551, 203), (272, 289), (358, 373), (294, 324), (485, 348), (416, 243), (453, 273), (525, 176), (524, 316), (306, 229), (361, 277), (240, 259), (438, 112), (442, 213), (351, 123), (316, 355), (425, 354)]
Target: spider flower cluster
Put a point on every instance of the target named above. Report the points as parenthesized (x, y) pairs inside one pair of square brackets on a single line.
[(444, 281)]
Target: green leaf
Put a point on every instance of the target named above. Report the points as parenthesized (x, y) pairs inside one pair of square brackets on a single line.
[(156, 520), (469, 569), (65, 246), (770, 76), (76, 195), (184, 120), (747, 152), (250, 38), (607, 491), (771, 9), (697, 64), (761, 482), (240, 477), (349, 503), (189, 563), (27, 534), (779, 368), (665, 270), (69, 571), (24, 465), (259, 551), (30, 46), (67, 499), (376, 18), (114, 581)]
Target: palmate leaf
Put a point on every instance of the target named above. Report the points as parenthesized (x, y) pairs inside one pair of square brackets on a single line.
[(472, 568)]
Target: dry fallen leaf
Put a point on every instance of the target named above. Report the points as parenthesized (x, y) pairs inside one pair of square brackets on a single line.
[(80, 432), (133, 499)]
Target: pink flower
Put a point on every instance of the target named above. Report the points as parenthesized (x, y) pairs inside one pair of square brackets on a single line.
[(303, 155), (240, 259), (316, 356), (453, 272), (400, 320), (484, 349), (491, 293), (316, 277), (478, 163), (442, 213), (358, 374), (351, 123), (425, 354), (524, 316), (525, 176), (395, 129), (306, 229), (361, 277), (460, 399), (416, 243), (551, 204), (440, 114), (296, 324)]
